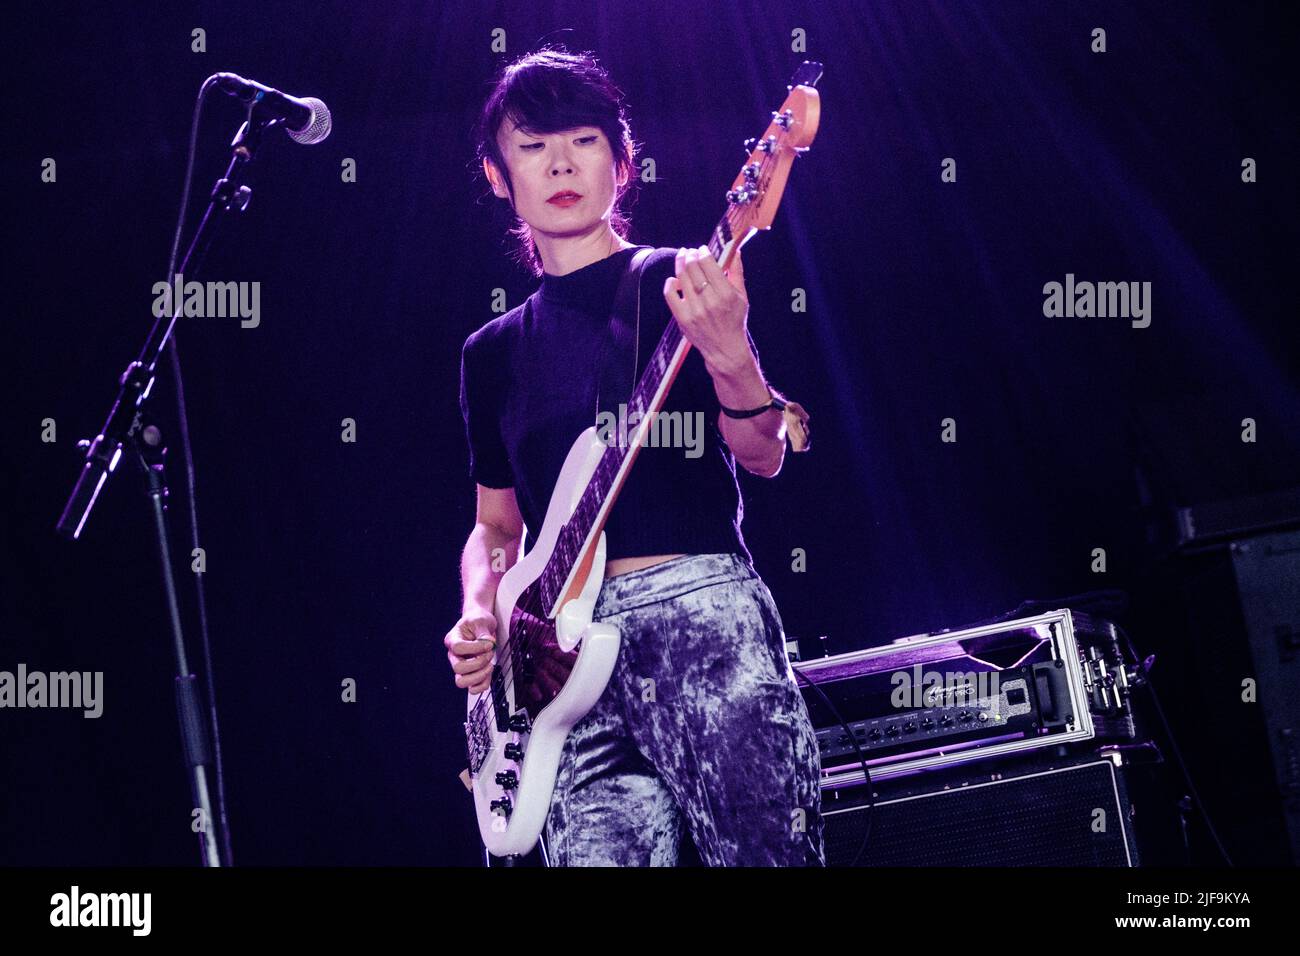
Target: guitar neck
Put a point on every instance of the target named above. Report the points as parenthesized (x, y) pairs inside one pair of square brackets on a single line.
[(579, 535)]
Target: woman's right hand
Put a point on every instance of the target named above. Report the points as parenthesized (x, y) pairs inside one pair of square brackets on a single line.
[(471, 644)]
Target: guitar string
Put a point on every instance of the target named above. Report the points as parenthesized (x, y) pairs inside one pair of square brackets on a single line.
[(534, 632), (531, 635)]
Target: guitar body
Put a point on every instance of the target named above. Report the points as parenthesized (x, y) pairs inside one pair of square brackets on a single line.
[(569, 663)]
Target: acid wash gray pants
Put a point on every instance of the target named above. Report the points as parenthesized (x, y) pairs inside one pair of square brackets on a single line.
[(701, 732)]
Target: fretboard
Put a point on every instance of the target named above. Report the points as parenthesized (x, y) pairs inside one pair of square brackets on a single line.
[(583, 528)]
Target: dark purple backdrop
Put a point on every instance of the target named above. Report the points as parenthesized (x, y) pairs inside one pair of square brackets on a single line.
[(330, 561)]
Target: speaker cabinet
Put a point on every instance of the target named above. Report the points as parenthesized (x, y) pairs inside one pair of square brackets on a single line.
[(1057, 812)]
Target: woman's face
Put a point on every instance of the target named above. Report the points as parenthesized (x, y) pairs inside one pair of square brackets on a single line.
[(577, 160)]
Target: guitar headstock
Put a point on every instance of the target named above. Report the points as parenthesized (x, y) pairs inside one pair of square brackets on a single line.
[(757, 190)]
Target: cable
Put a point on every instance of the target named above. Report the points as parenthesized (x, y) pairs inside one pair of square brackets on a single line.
[(1173, 745), (188, 455), (862, 759)]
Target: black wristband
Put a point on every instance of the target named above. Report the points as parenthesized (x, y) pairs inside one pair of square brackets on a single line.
[(774, 402)]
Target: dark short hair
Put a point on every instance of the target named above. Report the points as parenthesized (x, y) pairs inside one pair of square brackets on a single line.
[(547, 91)]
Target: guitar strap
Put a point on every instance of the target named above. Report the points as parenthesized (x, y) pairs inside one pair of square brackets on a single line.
[(624, 331)]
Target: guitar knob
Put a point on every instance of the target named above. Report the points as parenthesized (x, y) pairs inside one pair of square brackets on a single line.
[(514, 752), (503, 805), (507, 779), (519, 722)]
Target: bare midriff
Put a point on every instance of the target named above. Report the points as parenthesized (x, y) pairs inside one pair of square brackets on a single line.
[(624, 565)]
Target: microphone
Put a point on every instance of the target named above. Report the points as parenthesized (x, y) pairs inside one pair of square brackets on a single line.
[(306, 119)]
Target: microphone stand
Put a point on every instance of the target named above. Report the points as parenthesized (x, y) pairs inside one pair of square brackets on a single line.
[(125, 425)]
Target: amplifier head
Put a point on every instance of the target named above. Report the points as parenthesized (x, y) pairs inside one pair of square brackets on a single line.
[(936, 700)]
